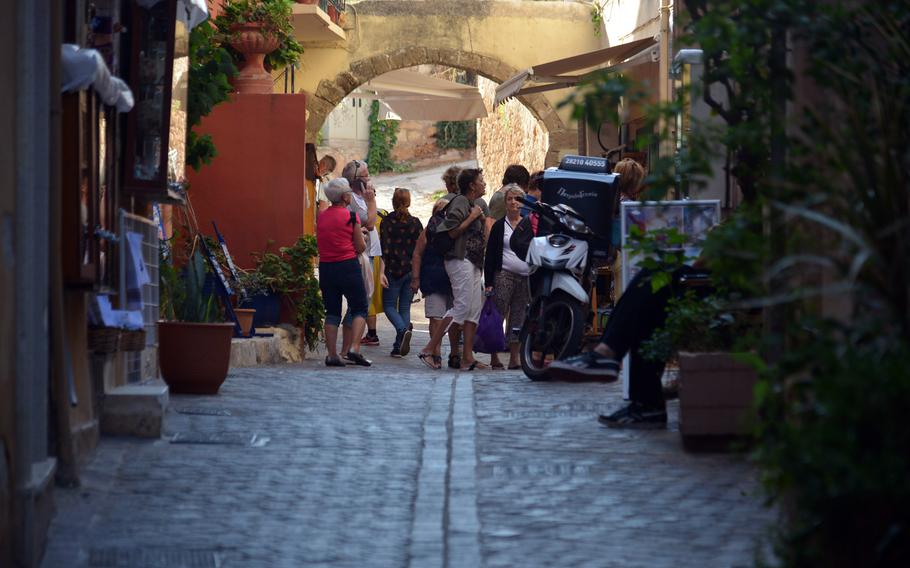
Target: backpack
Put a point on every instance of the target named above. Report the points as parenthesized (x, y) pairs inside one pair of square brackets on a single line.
[(439, 242)]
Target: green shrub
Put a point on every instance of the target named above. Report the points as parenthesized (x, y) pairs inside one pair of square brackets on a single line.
[(461, 134)]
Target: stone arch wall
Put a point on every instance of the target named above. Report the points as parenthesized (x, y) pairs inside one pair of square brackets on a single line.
[(330, 92)]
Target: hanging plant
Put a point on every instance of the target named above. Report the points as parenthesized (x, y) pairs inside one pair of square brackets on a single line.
[(211, 68)]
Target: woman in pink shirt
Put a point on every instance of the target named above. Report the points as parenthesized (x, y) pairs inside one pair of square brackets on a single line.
[(340, 241)]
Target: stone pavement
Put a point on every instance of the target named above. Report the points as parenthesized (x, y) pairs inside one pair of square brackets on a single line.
[(396, 465)]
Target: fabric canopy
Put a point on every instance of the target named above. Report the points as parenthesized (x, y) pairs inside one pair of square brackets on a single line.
[(415, 96), (550, 76)]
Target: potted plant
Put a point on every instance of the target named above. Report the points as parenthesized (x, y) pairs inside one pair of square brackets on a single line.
[(260, 35), (290, 273), (717, 375), (260, 297), (194, 345)]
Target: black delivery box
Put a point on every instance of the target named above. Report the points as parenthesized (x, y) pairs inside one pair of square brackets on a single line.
[(585, 184)]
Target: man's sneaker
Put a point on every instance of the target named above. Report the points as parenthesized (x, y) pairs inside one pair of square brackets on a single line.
[(371, 340), (585, 366), (405, 346), (358, 359), (396, 353), (636, 416), (334, 362)]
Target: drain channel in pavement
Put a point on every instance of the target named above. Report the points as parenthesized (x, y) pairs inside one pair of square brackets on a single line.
[(222, 439), (202, 411), (151, 558)]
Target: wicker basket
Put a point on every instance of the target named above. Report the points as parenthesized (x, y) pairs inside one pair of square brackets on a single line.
[(132, 339), (103, 339)]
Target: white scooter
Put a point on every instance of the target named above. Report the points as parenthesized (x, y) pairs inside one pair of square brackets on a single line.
[(561, 279)]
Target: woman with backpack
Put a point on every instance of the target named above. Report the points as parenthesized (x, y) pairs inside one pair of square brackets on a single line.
[(428, 274), (460, 238)]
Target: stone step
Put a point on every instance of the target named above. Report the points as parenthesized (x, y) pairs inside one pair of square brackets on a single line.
[(135, 410)]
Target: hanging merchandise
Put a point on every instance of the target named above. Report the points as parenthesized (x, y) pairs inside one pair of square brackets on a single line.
[(81, 68)]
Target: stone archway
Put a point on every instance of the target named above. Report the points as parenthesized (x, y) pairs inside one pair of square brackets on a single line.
[(330, 92)]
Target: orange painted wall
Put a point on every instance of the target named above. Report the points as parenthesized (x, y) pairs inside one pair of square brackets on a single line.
[(254, 188)]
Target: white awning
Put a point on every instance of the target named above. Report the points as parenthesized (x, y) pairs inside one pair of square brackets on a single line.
[(415, 96), (82, 68), (551, 76)]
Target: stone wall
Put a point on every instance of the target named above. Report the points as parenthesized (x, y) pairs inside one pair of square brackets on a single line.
[(415, 141), (508, 135)]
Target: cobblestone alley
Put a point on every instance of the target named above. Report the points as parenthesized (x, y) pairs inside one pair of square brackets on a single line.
[(396, 465)]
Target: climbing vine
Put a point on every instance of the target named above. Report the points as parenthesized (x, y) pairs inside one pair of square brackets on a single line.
[(456, 134), (383, 136)]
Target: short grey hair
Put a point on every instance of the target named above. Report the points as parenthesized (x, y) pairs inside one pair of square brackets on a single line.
[(512, 188), (335, 190), (352, 168)]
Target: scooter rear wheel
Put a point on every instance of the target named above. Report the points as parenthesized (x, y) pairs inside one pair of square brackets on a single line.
[(553, 330)]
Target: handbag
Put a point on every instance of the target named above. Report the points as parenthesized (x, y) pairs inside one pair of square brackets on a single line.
[(520, 241), (366, 271), (489, 337)]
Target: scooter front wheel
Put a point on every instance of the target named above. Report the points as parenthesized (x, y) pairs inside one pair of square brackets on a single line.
[(553, 330)]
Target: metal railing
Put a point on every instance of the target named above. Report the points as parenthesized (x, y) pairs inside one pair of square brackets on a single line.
[(338, 4), (287, 76)]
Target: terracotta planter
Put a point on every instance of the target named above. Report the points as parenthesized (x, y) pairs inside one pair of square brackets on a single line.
[(252, 77), (245, 319), (194, 357), (715, 395)]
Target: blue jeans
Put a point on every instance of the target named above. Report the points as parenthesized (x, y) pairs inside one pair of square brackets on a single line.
[(396, 302)]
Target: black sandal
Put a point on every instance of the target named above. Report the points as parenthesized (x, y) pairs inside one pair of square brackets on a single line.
[(428, 359), (455, 361), (437, 359)]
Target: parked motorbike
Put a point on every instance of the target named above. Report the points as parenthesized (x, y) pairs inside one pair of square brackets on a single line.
[(561, 279)]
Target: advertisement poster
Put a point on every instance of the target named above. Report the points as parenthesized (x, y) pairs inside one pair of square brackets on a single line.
[(691, 218)]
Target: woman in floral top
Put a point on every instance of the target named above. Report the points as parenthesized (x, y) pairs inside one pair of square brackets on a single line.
[(398, 234)]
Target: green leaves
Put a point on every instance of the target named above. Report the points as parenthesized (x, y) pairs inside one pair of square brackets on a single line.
[(383, 136), (456, 134), (660, 251), (276, 19), (183, 295), (290, 273), (211, 67)]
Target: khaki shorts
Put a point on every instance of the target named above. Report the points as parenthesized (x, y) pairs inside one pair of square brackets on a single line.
[(436, 305), (467, 291)]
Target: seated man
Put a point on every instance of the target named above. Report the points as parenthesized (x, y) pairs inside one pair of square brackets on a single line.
[(637, 314)]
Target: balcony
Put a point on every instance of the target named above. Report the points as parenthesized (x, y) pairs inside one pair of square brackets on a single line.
[(319, 22)]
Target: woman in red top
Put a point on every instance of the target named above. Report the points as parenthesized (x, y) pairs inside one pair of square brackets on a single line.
[(340, 241)]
